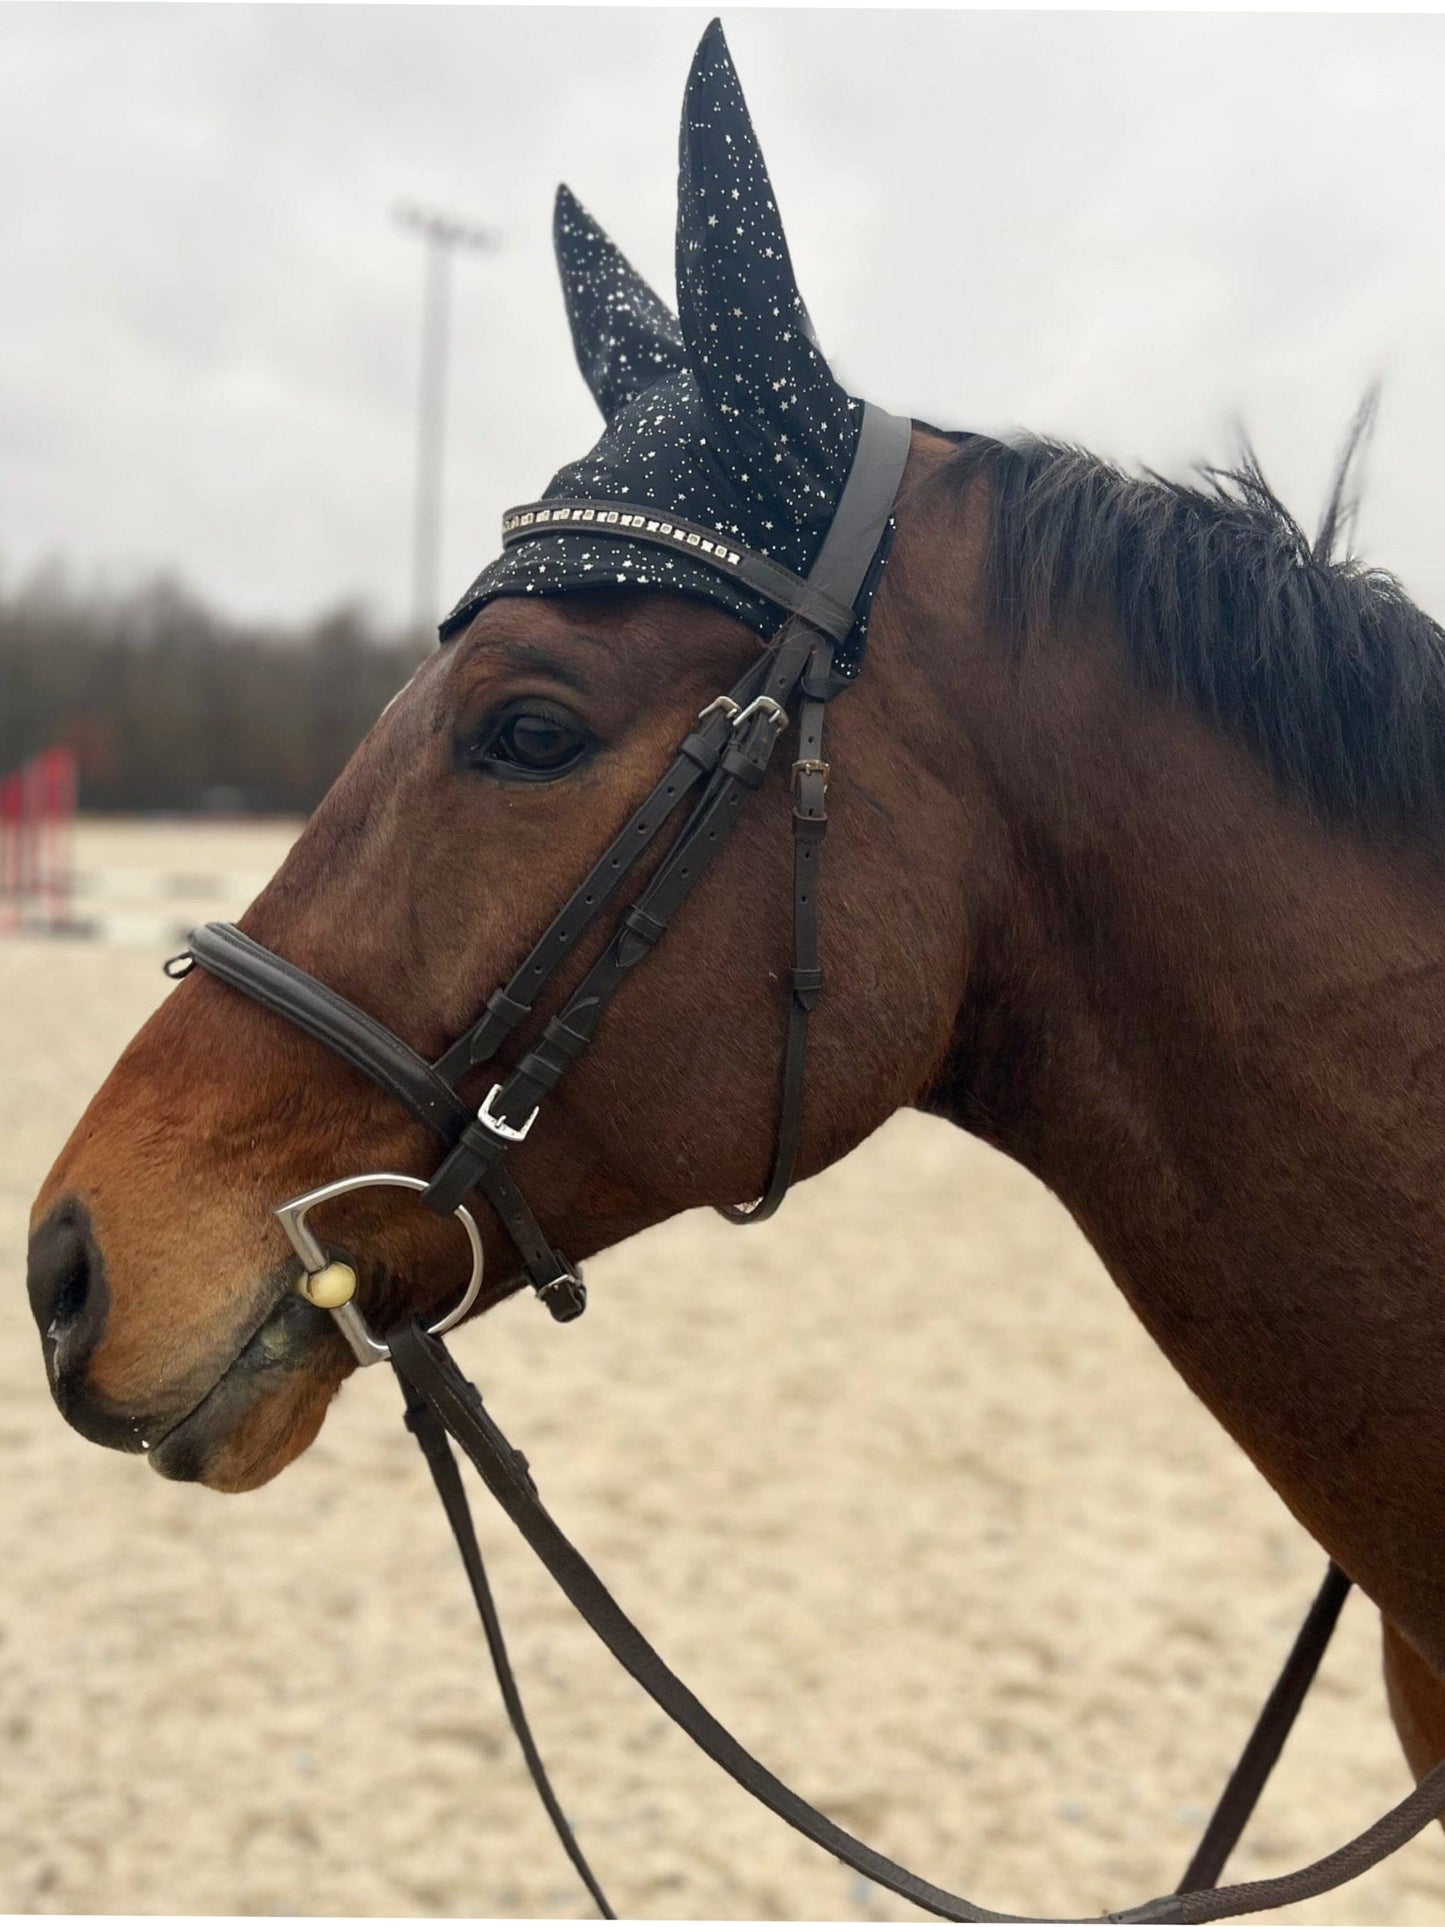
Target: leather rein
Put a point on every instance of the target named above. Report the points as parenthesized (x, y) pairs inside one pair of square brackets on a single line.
[(722, 760)]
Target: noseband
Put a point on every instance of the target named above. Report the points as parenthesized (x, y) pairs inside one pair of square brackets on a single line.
[(721, 761)]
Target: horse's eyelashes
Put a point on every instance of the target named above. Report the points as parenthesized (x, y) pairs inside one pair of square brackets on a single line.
[(533, 740)]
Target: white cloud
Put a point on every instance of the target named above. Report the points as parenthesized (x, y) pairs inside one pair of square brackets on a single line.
[(1128, 228)]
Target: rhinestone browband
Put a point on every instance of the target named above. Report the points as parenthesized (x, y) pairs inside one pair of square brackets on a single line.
[(667, 530), (759, 573)]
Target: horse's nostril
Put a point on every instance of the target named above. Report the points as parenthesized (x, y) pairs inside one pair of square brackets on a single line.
[(66, 1279), (71, 1302)]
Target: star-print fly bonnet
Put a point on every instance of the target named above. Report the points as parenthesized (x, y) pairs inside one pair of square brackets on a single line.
[(728, 440)]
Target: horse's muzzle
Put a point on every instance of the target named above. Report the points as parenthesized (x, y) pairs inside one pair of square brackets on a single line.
[(71, 1302)]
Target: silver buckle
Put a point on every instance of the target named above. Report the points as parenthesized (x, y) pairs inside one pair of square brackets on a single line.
[(723, 704), (358, 1334), (759, 703), (498, 1126), (570, 1274)]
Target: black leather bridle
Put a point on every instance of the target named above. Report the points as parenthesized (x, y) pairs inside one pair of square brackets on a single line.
[(718, 765), (721, 761)]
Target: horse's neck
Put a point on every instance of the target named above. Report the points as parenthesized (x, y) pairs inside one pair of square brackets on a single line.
[(1217, 1031)]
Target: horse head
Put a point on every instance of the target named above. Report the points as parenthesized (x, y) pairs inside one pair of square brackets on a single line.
[(568, 676)]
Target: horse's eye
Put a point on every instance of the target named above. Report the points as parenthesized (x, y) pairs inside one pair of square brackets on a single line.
[(539, 739)]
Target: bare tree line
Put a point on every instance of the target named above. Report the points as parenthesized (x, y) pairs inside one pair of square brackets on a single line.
[(170, 705)]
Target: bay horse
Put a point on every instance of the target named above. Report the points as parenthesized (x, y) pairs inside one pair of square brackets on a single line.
[(1135, 868)]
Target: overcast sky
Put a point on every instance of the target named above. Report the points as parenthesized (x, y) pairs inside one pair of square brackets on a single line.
[(1130, 229)]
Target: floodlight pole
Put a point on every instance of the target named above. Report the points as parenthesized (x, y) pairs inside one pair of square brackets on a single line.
[(441, 236)]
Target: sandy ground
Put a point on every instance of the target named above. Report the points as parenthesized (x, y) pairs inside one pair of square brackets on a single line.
[(896, 1483)]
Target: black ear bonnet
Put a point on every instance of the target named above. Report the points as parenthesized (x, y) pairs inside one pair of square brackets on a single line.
[(726, 417)]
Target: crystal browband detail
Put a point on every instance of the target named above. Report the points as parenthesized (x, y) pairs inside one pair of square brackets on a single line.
[(760, 573), (667, 530)]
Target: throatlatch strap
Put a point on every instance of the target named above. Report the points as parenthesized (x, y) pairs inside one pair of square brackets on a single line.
[(430, 1370), (805, 982), (840, 571)]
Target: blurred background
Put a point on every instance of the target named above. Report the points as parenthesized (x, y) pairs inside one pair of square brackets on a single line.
[(1135, 230), (878, 1498)]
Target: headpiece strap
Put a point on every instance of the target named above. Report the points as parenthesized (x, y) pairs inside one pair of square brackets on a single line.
[(825, 597)]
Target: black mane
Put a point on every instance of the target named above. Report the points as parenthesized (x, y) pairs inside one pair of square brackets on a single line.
[(1323, 668)]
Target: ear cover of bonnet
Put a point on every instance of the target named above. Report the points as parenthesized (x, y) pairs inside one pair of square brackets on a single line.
[(726, 416)]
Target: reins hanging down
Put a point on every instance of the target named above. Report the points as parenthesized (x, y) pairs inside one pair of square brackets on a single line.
[(429, 1376)]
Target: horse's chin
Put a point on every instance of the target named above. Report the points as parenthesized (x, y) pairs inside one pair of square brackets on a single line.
[(263, 1411)]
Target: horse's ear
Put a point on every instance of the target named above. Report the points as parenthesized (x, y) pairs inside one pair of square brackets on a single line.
[(750, 343), (625, 338)]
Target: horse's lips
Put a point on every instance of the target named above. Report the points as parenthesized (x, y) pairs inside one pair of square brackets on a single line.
[(284, 1342), (287, 1340)]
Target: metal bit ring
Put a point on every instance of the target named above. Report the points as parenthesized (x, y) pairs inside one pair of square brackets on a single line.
[(292, 1217)]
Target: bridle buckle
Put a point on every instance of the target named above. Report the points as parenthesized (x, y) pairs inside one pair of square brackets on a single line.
[(498, 1126), (565, 1296), (760, 706)]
